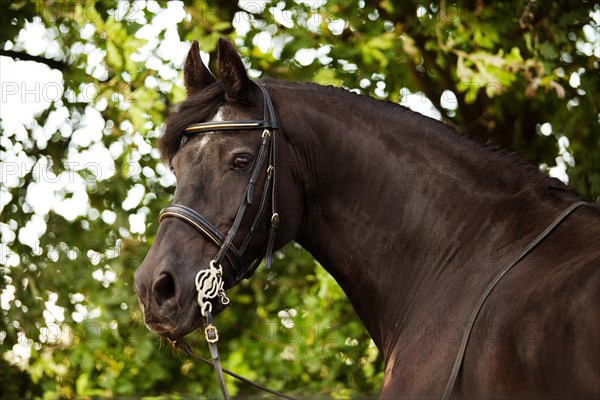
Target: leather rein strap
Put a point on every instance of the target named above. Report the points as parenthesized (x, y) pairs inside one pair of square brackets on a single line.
[(465, 339), (188, 350)]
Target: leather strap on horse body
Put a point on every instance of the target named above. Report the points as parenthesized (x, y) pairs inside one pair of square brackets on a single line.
[(491, 286)]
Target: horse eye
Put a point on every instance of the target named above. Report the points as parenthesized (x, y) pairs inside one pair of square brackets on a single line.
[(242, 161)]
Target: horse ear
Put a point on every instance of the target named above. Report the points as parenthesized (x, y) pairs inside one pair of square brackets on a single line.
[(232, 71), (195, 74)]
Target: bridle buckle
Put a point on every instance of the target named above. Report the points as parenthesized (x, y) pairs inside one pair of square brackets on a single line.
[(275, 220), (211, 334)]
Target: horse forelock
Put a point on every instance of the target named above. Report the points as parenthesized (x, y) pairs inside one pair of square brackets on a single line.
[(196, 108)]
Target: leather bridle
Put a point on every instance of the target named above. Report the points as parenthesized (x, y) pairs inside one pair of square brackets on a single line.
[(225, 243), (209, 282)]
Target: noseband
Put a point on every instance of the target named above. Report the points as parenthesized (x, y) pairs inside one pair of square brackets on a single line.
[(225, 243)]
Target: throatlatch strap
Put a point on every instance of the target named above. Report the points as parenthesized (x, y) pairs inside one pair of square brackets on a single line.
[(275, 219)]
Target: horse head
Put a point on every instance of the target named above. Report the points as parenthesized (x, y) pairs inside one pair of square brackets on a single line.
[(221, 144)]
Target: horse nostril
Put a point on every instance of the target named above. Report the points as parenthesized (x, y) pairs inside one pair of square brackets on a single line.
[(164, 287)]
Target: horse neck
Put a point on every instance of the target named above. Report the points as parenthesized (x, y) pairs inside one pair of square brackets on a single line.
[(397, 206)]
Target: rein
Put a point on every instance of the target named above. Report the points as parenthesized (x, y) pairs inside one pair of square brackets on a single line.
[(188, 350), (491, 286)]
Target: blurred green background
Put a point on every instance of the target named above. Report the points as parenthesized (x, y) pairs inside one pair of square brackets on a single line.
[(85, 89)]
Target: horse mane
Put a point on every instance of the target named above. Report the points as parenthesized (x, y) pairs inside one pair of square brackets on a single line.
[(204, 105)]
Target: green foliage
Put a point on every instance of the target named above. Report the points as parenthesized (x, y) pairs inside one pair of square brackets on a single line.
[(70, 326)]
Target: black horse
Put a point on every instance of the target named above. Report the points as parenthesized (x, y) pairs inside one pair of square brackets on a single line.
[(413, 219)]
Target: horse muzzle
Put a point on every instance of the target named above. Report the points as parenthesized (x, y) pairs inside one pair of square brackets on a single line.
[(170, 306)]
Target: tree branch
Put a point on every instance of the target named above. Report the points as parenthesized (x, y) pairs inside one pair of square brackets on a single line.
[(23, 56)]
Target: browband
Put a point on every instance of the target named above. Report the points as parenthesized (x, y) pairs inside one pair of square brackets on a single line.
[(228, 126)]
